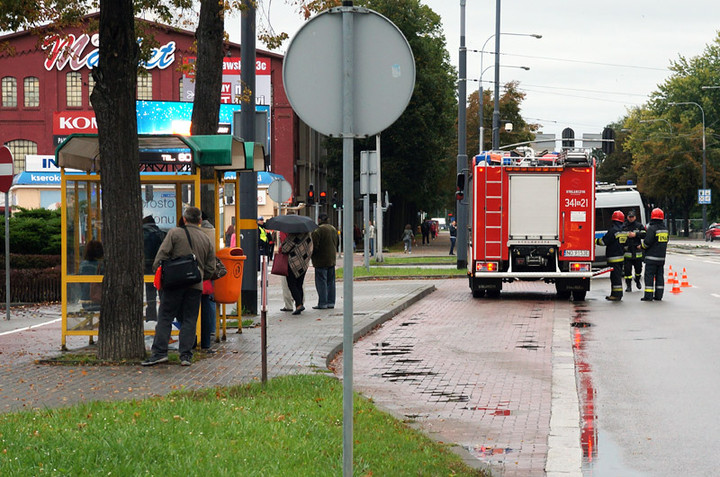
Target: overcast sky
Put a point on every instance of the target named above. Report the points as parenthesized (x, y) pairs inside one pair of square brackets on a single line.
[(595, 58)]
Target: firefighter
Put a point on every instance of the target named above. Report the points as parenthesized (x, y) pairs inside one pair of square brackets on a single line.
[(633, 250), (614, 241), (655, 246)]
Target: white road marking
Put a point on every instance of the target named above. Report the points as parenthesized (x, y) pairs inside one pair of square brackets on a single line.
[(30, 327)]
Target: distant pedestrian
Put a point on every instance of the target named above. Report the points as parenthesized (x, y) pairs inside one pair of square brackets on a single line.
[(371, 237), (614, 240), (298, 248), (453, 236), (408, 237), (655, 246), (182, 303), (152, 238), (425, 230), (325, 243)]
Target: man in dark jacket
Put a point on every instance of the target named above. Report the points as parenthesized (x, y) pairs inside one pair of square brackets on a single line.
[(325, 243), (182, 303), (152, 238), (633, 250), (614, 240), (655, 246)]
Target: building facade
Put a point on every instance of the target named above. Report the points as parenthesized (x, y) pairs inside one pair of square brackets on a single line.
[(46, 85)]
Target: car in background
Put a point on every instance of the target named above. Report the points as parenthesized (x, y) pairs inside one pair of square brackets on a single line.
[(712, 233)]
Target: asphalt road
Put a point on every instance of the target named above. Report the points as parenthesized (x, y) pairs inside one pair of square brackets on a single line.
[(648, 378)]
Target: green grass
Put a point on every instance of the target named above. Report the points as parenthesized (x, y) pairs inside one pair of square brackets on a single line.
[(401, 272), (440, 259), (291, 427)]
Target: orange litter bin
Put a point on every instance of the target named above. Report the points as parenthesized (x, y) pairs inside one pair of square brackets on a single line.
[(227, 288)]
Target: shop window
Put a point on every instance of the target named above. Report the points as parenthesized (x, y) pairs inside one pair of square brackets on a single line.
[(9, 92), (31, 92), (21, 148), (73, 89), (144, 87)]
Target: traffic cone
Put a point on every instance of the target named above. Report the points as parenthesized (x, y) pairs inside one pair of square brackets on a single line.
[(670, 278), (676, 288), (684, 283)]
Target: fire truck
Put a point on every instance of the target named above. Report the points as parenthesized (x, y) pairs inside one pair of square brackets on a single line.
[(533, 218)]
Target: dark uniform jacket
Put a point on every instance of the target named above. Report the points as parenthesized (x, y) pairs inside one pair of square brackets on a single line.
[(656, 240), (614, 240), (633, 246)]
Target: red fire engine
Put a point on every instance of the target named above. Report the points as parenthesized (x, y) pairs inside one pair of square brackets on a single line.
[(533, 218)]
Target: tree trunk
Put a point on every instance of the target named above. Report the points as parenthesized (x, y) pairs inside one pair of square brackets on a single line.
[(208, 84), (121, 325)]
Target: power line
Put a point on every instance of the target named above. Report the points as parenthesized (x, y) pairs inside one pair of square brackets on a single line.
[(568, 60)]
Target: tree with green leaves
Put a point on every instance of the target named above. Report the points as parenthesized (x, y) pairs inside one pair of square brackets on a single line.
[(418, 160)]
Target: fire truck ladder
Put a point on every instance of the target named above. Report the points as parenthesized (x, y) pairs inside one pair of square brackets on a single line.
[(493, 244)]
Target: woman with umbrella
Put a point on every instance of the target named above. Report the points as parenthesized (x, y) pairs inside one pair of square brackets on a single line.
[(297, 245)]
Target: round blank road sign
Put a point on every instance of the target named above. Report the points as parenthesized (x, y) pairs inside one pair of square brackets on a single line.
[(280, 191), (383, 72)]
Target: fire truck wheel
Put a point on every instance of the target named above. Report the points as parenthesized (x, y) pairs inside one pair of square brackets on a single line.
[(563, 294), (579, 295), (478, 293)]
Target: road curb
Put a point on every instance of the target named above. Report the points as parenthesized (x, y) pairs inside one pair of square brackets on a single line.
[(379, 320)]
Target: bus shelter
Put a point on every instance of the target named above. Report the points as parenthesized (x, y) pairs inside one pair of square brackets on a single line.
[(168, 185)]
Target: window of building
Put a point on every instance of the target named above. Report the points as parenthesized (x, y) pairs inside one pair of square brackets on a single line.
[(9, 92), (21, 148), (31, 92), (73, 89), (91, 87), (181, 89), (144, 87)]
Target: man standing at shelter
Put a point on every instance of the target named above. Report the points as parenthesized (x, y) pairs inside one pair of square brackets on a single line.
[(325, 243), (182, 303), (152, 238)]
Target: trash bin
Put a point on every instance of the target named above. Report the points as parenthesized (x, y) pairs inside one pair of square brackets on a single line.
[(227, 288)]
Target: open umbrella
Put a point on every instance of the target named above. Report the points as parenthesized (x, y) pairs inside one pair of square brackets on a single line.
[(291, 224)]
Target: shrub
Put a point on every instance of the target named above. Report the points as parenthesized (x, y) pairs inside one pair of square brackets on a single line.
[(34, 231)]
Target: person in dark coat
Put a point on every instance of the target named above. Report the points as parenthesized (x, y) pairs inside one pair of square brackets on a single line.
[(655, 246), (152, 239), (633, 250), (614, 241), (325, 243), (298, 247), (453, 236)]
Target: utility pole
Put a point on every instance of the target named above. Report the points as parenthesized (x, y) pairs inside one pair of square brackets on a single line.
[(462, 160), (496, 110)]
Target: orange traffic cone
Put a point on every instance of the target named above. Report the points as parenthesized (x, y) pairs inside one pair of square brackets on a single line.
[(670, 278), (684, 283), (675, 289)]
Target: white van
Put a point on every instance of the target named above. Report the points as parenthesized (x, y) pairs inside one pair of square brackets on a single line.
[(608, 199)]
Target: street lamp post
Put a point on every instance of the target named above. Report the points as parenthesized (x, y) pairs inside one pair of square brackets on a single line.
[(482, 70), (656, 120), (481, 99), (704, 162)]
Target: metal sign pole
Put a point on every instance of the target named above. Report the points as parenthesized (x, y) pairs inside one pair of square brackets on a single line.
[(379, 209), (263, 317), (348, 131), (7, 256)]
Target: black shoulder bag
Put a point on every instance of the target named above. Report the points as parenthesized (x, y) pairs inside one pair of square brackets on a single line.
[(181, 271)]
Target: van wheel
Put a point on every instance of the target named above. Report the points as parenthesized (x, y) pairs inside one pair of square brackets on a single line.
[(563, 295)]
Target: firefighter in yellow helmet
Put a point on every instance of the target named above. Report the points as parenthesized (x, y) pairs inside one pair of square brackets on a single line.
[(614, 240), (655, 246)]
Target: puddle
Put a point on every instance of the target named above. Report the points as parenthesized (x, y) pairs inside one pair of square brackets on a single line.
[(493, 411), (386, 349), (443, 396), (609, 464)]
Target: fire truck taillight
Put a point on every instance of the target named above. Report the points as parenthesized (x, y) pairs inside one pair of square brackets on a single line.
[(486, 266), (580, 267)]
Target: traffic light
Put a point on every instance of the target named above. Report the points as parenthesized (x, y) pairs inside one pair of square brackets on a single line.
[(460, 190), (311, 195), (608, 144), (323, 197), (335, 200)]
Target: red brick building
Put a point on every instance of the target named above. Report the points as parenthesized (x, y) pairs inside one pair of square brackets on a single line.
[(46, 96)]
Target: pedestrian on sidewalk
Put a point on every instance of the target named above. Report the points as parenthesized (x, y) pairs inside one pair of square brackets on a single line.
[(298, 248), (182, 303), (614, 239), (425, 230), (655, 246), (453, 236), (408, 237), (371, 237), (325, 243), (208, 308), (152, 238)]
